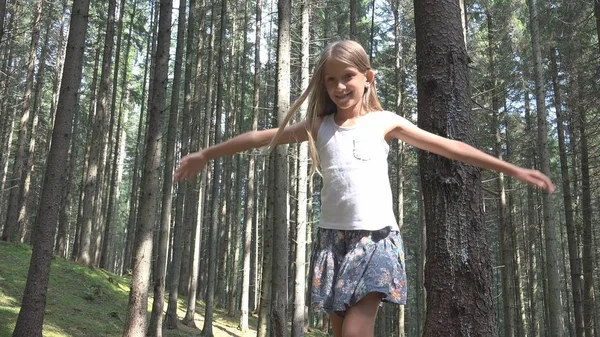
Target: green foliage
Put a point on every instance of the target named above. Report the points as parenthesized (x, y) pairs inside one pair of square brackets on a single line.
[(81, 301)]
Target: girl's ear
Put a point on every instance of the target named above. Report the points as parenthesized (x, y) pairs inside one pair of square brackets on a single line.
[(370, 76)]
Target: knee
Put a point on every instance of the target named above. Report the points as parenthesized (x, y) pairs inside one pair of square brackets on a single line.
[(357, 330)]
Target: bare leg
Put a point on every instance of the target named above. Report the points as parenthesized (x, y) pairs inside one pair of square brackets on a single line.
[(359, 320), (336, 323)]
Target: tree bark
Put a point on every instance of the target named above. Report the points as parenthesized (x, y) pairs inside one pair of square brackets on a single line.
[(31, 316), (250, 208), (574, 260), (138, 295), (217, 174), (554, 302), (156, 319), (280, 228), (91, 199), (13, 230), (298, 317), (458, 274), (178, 230), (113, 197)]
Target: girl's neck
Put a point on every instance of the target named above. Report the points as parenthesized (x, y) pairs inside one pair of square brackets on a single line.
[(348, 117)]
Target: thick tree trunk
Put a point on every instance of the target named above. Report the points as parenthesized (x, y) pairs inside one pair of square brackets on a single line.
[(554, 305), (31, 316), (458, 274), (138, 295)]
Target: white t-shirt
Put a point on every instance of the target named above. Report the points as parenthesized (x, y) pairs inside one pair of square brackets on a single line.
[(356, 193)]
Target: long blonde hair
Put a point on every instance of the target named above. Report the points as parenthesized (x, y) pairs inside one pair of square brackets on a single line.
[(319, 103)]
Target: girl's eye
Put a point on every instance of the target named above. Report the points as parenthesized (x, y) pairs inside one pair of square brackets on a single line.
[(349, 76), (329, 79)]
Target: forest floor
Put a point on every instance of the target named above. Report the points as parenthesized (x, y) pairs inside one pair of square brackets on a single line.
[(85, 302)]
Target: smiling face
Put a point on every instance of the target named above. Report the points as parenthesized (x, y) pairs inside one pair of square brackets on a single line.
[(346, 85)]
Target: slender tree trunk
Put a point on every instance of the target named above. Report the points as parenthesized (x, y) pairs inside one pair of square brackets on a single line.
[(31, 315), (156, 319), (505, 244), (280, 229), (353, 19), (175, 265), (138, 296), (267, 254), (2, 15), (135, 176), (458, 274), (553, 277), (217, 174), (12, 231), (91, 199), (195, 215), (299, 318), (589, 305), (28, 200), (574, 260), (597, 15), (107, 243), (250, 208)]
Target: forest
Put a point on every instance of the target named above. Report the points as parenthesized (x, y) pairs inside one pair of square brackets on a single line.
[(100, 100)]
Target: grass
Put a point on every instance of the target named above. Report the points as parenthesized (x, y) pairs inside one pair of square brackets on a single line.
[(84, 302)]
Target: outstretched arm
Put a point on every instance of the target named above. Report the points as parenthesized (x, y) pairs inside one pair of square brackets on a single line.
[(194, 162), (404, 130)]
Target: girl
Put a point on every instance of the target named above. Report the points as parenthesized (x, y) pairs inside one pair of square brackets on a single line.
[(358, 258)]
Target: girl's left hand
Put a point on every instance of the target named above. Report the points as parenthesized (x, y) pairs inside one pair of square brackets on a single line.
[(536, 178)]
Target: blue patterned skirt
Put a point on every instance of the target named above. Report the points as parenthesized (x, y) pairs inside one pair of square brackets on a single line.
[(346, 265)]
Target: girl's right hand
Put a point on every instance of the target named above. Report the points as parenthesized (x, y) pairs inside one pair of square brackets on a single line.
[(190, 165)]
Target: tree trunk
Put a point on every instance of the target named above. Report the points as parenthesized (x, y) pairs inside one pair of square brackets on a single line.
[(12, 231), (506, 249), (31, 315), (91, 199), (597, 15), (2, 14), (113, 197), (458, 274), (217, 174), (280, 228), (554, 302), (177, 254), (135, 176), (353, 20), (574, 260), (156, 319), (267, 253), (138, 296), (250, 208), (298, 316), (589, 305)]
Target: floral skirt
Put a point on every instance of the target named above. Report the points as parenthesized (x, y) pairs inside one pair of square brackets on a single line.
[(346, 265)]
